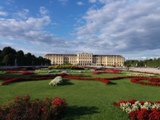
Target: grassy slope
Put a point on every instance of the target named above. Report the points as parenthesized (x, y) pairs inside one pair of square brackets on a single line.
[(87, 100)]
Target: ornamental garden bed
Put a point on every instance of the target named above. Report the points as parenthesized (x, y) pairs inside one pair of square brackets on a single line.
[(134, 79), (140, 110), (86, 99)]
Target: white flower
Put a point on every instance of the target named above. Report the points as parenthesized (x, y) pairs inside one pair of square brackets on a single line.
[(128, 110), (157, 106), (135, 107)]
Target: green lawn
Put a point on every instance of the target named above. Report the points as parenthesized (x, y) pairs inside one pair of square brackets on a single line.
[(87, 100)]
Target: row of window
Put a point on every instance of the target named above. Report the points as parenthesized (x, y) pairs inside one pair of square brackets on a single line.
[(88, 62), (84, 58)]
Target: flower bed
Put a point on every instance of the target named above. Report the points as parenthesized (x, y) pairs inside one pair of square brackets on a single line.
[(105, 80), (135, 79), (111, 71), (12, 71), (139, 110), (44, 77), (23, 108), (140, 74), (95, 72), (23, 72), (10, 80), (146, 81), (27, 73)]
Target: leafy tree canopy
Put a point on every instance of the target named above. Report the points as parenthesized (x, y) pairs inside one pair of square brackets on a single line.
[(9, 56)]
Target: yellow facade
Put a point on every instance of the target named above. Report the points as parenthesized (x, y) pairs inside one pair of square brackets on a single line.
[(86, 59)]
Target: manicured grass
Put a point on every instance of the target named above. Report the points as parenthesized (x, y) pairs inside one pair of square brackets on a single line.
[(87, 100)]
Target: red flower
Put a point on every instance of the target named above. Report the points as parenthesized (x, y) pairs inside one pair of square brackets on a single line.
[(132, 101), (133, 115), (157, 102), (95, 72), (46, 98), (154, 115), (142, 102), (42, 109), (143, 114), (58, 103)]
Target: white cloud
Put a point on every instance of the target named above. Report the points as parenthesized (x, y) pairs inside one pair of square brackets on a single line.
[(26, 28), (38, 22), (9, 2), (63, 2), (22, 14), (126, 27), (92, 1), (80, 3), (122, 26), (43, 11), (102, 1), (111, 1), (31, 30), (3, 13)]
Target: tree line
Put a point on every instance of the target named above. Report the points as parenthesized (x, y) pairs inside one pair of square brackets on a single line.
[(143, 63), (11, 57)]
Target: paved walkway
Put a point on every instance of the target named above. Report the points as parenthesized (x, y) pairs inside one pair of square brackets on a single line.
[(153, 70)]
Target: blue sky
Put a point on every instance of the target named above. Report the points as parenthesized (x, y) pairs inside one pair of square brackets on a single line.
[(130, 28)]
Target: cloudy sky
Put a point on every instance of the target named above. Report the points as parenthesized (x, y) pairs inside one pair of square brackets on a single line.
[(130, 28)]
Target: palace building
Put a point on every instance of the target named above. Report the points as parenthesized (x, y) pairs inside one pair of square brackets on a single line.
[(84, 59)]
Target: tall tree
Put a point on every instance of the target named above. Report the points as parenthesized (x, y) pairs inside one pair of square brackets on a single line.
[(7, 60), (20, 58), (9, 55), (8, 50), (28, 60)]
